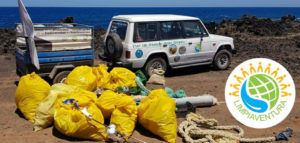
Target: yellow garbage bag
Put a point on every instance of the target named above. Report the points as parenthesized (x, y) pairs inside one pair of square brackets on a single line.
[(70, 121), (124, 116), (107, 102), (32, 89), (121, 77), (82, 77), (102, 75), (156, 113), (45, 111)]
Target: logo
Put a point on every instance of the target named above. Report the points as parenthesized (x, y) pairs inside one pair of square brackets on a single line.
[(260, 93), (176, 58), (182, 50), (198, 48), (173, 49), (139, 53)]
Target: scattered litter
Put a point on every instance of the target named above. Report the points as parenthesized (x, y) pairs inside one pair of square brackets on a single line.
[(31, 91), (157, 77), (82, 77), (198, 129), (156, 113), (84, 120)]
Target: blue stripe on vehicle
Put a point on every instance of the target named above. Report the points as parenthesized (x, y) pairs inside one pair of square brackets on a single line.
[(65, 53), (61, 56), (65, 59)]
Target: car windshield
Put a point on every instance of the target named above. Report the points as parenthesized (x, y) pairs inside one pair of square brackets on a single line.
[(119, 28)]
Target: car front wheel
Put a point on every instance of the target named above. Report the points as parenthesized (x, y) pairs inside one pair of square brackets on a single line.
[(222, 59)]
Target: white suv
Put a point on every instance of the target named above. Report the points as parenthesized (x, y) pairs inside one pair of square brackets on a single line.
[(158, 41)]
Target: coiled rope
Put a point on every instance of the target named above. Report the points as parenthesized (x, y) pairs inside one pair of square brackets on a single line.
[(197, 129)]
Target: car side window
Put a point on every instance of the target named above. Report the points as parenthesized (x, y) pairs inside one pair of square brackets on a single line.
[(193, 29), (170, 30), (119, 28), (145, 32)]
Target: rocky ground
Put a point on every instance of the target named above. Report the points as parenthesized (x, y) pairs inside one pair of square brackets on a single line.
[(254, 37)]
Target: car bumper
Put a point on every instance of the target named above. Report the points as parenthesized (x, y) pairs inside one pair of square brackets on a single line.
[(234, 51), (124, 64)]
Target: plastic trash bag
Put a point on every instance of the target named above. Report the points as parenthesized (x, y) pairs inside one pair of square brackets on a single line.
[(156, 113), (121, 77), (70, 121), (107, 102), (102, 75), (45, 112), (82, 77), (124, 116), (31, 91), (142, 76)]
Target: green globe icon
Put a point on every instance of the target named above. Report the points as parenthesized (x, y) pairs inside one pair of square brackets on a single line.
[(262, 86)]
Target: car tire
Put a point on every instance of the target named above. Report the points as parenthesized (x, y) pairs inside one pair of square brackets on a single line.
[(222, 59), (60, 77), (155, 63), (114, 46)]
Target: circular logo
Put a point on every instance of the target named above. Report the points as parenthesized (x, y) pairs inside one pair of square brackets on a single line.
[(139, 53), (260, 93), (176, 58), (182, 50), (173, 49)]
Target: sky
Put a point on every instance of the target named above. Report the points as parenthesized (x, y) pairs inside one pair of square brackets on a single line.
[(153, 3)]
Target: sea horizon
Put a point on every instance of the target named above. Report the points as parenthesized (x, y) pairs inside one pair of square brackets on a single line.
[(99, 17)]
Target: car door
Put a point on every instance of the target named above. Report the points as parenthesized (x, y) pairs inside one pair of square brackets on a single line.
[(171, 40), (198, 42)]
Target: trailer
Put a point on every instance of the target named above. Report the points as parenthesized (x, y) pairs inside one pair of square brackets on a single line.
[(60, 48)]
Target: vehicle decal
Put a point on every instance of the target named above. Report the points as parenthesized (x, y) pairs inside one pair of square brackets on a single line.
[(172, 49), (176, 58), (139, 53), (198, 48), (156, 44), (182, 50)]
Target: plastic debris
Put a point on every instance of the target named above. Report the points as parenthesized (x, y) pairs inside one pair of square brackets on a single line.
[(285, 135), (142, 76), (178, 94)]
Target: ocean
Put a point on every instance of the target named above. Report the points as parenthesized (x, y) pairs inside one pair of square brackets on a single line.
[(100, 17)]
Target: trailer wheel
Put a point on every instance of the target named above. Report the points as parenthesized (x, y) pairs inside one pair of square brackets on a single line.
[(60, 77)]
